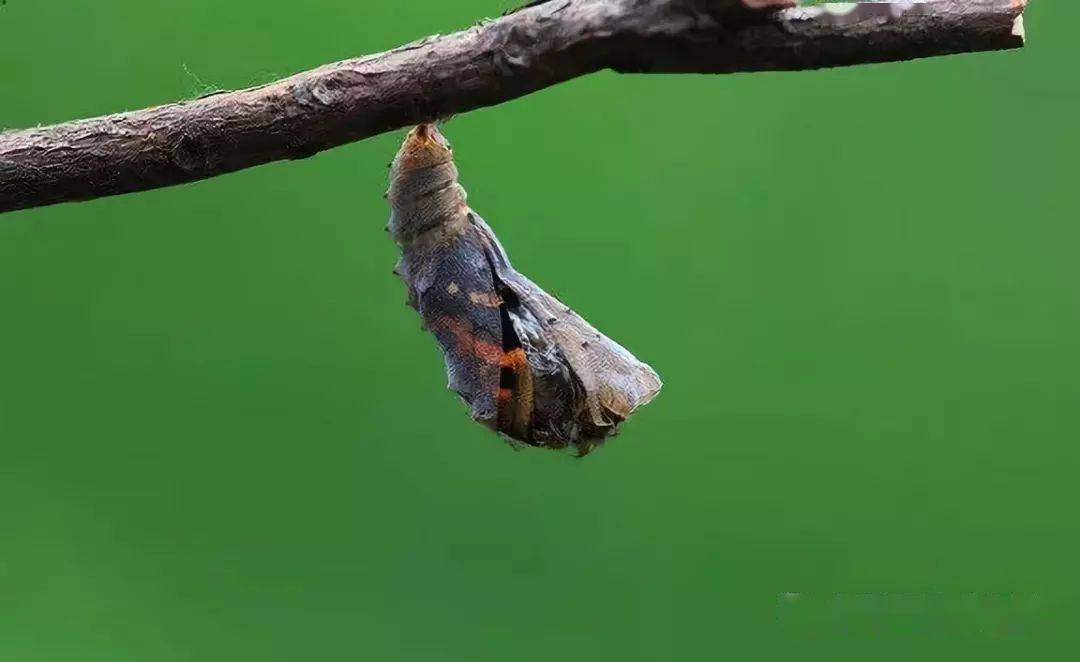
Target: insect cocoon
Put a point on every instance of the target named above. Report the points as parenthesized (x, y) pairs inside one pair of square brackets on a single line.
[(525, 364)]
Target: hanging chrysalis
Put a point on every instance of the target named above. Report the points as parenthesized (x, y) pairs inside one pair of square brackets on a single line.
[(525, 364)]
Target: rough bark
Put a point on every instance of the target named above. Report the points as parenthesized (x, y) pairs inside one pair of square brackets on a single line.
[(537, 46)]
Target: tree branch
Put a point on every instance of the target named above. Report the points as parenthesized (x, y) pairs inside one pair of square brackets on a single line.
[(532, 48)]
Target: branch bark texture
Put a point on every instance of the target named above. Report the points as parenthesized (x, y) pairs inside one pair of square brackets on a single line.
[(540, 45)]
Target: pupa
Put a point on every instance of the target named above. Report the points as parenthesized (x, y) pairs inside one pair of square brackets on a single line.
[(526, 365)]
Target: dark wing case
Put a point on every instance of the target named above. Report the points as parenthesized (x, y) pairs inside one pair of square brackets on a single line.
[(451, 286), (586, 384)]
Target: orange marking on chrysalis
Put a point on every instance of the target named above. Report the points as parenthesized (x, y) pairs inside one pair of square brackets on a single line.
[(486, 299), (467, 343), (515, 359)]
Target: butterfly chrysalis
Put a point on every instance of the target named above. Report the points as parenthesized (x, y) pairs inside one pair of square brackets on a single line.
[(525, 364)]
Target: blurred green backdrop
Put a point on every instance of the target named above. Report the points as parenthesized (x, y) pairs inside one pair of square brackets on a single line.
[(223, 437)]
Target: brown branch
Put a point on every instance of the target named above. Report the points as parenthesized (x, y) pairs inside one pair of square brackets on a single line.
[(527, 50)]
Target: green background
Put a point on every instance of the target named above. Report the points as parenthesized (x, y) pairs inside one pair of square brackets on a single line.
[(224, 437)]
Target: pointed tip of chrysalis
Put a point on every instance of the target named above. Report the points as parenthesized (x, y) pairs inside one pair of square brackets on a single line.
[(423, 147), (429, 134), (424, 131)]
